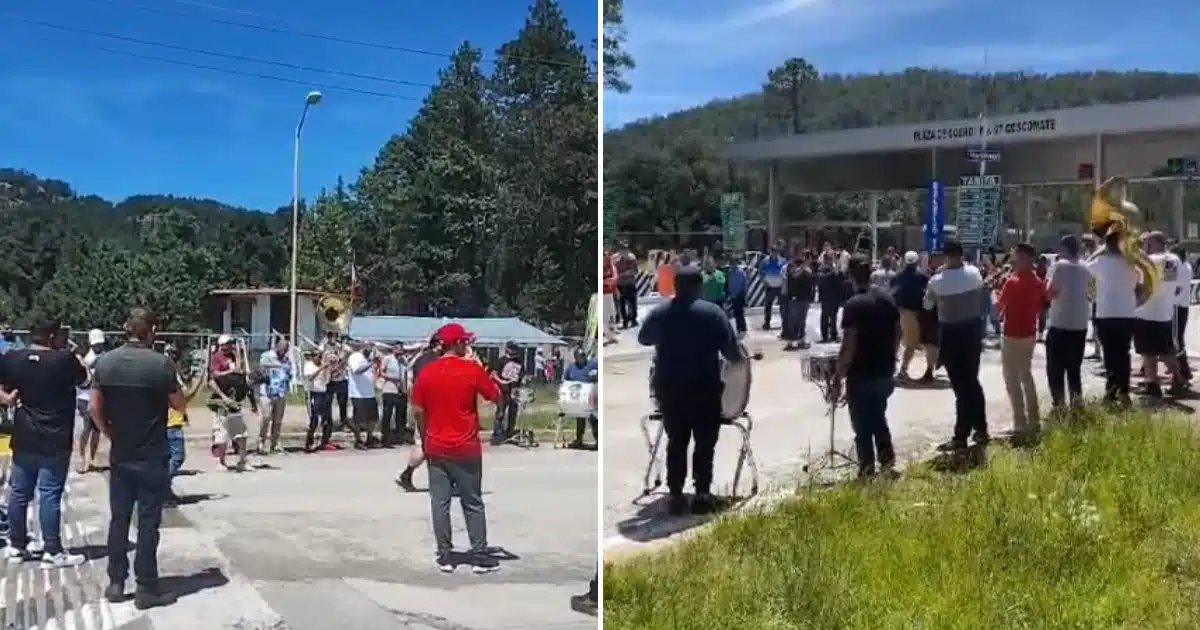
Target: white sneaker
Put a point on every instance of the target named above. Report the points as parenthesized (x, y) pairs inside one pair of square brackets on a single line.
[(62, 560), (12, 555), (35, 547)]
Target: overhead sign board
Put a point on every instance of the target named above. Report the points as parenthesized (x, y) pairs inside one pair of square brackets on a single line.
[(1021, 127), (983, 155), (977, 220), (733, 222)]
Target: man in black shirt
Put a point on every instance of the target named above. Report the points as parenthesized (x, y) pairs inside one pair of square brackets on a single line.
[(43, 377), (831, 290), (131, 390), (416, 456), (871, 329), (510, 370), (689, 335)]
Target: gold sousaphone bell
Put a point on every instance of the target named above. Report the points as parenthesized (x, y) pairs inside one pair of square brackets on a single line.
[(335, 313), (1111, 212)]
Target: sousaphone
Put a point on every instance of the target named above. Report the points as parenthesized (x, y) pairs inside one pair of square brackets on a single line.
[(335, 313)]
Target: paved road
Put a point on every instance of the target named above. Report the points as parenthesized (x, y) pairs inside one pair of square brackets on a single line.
[(327, 542), (790, 429)]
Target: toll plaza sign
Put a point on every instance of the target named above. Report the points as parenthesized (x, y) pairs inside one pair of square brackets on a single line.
[(1035, 125)]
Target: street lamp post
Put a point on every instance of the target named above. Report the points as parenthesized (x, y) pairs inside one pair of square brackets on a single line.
[(312, 99)]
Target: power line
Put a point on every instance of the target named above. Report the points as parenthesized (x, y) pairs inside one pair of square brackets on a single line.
[(255, 75), (306, 34), (268, 62)]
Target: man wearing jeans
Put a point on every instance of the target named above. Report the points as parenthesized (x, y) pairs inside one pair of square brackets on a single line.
[(1021, 302), (445, 401), (43, 377), (771, 271), (866, 362), (133, 389), (959, 294)]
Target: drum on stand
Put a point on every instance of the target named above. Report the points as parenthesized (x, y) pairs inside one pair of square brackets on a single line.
[(577, 399), (819, 367)]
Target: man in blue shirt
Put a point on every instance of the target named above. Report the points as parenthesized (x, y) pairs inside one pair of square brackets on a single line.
[(277, 368), (689, 336), (771, 270), (582, 371), (736, 285)]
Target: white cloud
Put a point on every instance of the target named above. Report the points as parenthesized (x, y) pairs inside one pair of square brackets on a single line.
[(1016, 56)]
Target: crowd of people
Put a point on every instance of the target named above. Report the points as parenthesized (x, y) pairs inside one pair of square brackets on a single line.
[(942, 304)]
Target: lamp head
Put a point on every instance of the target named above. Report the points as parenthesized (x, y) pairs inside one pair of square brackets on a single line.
[(313, 98)]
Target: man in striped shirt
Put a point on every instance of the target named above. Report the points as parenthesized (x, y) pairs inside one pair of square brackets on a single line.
[(961, 298)]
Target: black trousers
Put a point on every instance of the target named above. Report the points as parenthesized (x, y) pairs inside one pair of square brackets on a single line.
[(144, 483), (627, 302), (769, 300), (581, 427), (687, 417), (1181, 320), (394, 423), (737, 308), (1064, 360), (962, 368), (1116, 337), (338, 392), (829, 313), (867, 400), (320, 413)]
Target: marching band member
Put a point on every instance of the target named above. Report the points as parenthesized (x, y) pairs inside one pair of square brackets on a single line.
[(583, 371), (336, 354), (509, 376), (1070, 309), (277, 369), (1117, 284), (393, 388), (688, 335), (89, 437), (866, 362), (320, 406), (1154, 335), (1183, 300), (361, 389), (416, 456)]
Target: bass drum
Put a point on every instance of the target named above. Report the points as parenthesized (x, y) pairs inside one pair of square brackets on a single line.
[(576, 399), (736, 377)]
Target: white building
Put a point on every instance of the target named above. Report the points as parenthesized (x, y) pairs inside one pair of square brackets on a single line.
[(260, 312)]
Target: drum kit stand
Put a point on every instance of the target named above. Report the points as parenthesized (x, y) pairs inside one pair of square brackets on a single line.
[(524, 437), (819, 368)]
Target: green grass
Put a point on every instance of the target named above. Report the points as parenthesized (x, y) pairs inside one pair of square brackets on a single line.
[(1097, 528)]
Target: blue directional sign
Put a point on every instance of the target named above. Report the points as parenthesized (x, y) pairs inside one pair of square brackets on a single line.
[(935, 216)]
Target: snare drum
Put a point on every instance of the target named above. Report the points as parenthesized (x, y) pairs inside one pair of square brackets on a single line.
[(820, 366), (523, 396), (577, 399)]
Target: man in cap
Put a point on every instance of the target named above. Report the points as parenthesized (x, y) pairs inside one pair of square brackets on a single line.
[(89, 437), (689, 335), (908, 286), (445, 399)]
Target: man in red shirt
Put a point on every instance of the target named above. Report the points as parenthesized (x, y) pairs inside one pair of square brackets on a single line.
[(1020, 304), (445, 400)]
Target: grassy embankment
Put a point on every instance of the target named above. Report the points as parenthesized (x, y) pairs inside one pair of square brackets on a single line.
[(1097, 528)]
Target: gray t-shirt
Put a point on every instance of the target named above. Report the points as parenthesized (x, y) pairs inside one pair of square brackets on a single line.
[(1071, 309)]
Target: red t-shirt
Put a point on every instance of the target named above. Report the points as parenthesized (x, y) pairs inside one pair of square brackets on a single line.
[(1021, 300), (448, 390), (220, 363)]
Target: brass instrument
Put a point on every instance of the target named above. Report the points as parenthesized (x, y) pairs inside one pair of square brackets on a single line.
[(335, 313), (1110, 214)]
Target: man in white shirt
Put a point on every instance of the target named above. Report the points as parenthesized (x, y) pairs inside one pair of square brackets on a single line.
[(320, 405), (364, 409), (89, 437), (393, 389), (1117, 286), (1183, 300), (1154, 336)]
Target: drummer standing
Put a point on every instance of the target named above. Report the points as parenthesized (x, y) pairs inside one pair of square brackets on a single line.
[(866, 362), (689, 334)]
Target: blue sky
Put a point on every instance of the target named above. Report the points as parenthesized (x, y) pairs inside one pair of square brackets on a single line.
[(692, 51), (116, 126)]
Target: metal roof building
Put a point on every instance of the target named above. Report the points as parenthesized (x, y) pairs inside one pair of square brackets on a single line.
[(488, 331)]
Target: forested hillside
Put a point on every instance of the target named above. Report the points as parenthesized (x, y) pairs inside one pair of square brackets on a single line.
[(485, 204), (664, 174)]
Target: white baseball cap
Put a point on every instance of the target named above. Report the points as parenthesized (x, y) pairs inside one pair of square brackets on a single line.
[(224, 339), (911, 258), (95, 337)]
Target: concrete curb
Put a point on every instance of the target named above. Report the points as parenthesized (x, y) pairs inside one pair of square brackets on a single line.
[(290, 439)]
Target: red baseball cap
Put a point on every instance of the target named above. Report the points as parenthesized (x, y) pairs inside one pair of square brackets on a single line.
[(451, 334)]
